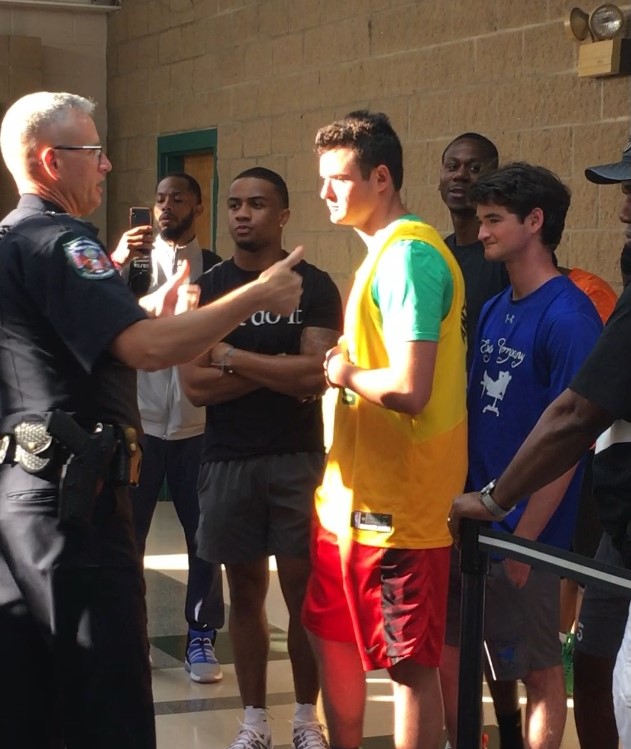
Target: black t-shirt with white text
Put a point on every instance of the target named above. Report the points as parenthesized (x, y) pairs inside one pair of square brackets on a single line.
[(265, 422)]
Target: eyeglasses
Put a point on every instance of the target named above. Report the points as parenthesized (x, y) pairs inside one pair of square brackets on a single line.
[(98, 150)]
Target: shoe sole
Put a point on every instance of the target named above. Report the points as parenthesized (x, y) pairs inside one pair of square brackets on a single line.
[(199, 679)]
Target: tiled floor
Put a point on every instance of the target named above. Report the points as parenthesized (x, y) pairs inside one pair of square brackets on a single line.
[(205, 716)]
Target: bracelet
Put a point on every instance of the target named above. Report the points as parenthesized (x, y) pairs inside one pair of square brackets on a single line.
[(223, 363)]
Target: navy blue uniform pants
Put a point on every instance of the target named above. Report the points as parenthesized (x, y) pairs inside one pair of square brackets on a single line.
[(177, 462), (74, 653)]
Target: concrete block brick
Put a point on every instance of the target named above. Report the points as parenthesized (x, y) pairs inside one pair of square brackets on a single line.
[(598, 143), (426, 202), (230, 64), (477, 105), (206, 76), (274, 18), (550, 147), (244, 101), (50, 27), (583, 213), (418, 169), (205, 9), (516, 13), (196, 38), (548, 50), (126, 58), (343, 41), (141, 152), (137, 19), (170, 46), (302, 173), (287, 133), (25, 52), (258, 59), (181, 75), (218, 106), (304, 14), (230, 141), (333, 10), (148, 51), (596, 251), (160, 19), (116, 28), (413, 26), (287, 53), (257, 138), (508, 144), (556, 100), (467, 20), (430, 116), (616, 97), (181, 11), (499, 57)]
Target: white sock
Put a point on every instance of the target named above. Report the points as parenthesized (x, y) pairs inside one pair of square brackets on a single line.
[(305, 713), (256, 718)]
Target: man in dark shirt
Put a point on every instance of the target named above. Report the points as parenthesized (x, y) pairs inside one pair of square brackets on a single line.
[(468, 156), (263, 451), (598, 397), (72, 614)]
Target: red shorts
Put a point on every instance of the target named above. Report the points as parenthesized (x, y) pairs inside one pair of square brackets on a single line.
[(391, 602)]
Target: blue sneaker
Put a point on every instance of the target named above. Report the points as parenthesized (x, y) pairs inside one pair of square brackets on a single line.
[(201, 661)]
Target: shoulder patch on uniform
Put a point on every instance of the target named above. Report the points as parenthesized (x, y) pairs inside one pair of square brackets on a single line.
[(88, 258)]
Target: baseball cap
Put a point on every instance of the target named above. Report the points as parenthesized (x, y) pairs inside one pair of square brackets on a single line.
[(609, 174)]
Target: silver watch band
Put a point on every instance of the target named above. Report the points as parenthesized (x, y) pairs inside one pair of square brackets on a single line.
[(491, 505)]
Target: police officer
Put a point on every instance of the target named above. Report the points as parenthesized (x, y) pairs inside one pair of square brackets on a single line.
[(71, 334)]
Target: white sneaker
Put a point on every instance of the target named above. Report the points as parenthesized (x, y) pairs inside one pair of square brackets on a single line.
[(201, 661), (249, 738), (309, 735)]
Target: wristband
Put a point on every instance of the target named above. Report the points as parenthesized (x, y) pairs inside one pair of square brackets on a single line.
[(491, 505)]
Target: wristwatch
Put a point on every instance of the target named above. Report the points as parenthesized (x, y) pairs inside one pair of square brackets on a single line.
[(490, 504)]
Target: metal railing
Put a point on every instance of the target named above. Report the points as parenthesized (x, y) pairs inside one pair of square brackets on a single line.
[(477, 539)]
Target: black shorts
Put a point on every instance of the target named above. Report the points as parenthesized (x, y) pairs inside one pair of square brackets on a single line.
[(603, 614), (257, 507)]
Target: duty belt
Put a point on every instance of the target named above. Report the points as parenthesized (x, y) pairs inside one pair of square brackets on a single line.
[(39, 445)]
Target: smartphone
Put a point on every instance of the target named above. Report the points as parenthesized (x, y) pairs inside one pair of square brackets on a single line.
[(140, 216)]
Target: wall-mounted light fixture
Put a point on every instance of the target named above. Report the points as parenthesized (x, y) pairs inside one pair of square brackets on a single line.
[(607, 51)]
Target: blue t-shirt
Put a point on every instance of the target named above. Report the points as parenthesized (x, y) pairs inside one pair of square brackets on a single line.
[(526, 353)]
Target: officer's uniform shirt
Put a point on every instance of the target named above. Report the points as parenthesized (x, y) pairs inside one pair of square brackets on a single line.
[(62, 303)]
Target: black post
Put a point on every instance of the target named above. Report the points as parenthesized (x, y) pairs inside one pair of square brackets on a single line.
[(474, 565)]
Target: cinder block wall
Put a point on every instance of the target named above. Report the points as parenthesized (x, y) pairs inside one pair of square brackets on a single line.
[(268, 73)]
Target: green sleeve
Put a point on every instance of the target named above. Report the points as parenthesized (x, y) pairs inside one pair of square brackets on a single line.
[(413, 289)]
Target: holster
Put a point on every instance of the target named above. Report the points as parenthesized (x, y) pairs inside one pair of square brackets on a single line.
[(125, 469), (84, 471)]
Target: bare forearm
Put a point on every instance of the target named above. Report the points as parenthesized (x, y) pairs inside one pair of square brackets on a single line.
[(297, 375), (166, 341), (383, 388), (566, 429)]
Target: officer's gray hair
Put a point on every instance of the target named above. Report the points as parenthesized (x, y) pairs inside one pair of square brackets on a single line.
[(28, 115)]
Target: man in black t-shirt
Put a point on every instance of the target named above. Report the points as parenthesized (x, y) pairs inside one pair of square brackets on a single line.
[(599, 397), (467, 157), (263, 449), (73, 639)]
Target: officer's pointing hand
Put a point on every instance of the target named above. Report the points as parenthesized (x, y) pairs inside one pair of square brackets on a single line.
[(163, 301), (282, 286)]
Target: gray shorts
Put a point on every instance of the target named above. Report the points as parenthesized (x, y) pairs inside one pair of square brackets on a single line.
[(257, 507), (603, 614), (521, 625)]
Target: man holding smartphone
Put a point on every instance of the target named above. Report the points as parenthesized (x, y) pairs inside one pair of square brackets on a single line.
[(173, 427)]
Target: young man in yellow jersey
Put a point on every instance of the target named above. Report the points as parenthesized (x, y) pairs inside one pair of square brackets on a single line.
[(377, 594)]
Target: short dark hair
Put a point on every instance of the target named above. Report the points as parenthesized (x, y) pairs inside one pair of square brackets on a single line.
[(489, 148), (521, 187), (260, 172), (193, 184), (373, 139)]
